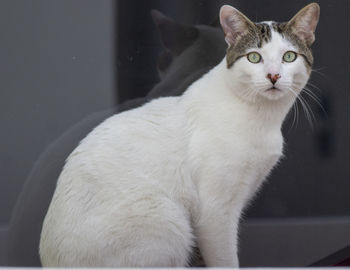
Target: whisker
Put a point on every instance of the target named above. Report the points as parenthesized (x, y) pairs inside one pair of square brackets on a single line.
[(320, 68), (309, 113), (314, 86), (250, 94), (294, 116), (297, 110), (317, 71), (306, 107), (296, 113), (315, 98)]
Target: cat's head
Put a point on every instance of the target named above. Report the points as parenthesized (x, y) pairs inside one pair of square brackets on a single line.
[(269, 60)]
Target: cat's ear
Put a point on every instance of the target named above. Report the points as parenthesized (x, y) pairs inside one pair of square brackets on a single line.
[(304, 23), (234, 24), (175, 36)]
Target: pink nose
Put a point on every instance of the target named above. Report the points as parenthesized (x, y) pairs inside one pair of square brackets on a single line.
[(273, 78)]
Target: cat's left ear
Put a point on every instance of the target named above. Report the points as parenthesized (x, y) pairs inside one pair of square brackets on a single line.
[(304, 23)]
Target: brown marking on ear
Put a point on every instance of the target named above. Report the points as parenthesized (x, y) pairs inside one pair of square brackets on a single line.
[(235, 52), (297, 42), (257, 35), (240, 33), (300, 31), (304, 23)]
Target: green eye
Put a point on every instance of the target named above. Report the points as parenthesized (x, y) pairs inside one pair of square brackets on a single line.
[(289, 57), (254, 57)]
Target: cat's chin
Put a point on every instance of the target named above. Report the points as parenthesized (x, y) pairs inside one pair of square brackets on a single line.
[(273, 93)]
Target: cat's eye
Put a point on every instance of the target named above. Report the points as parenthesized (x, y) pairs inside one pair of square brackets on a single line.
[(254, 57), (289, 56)]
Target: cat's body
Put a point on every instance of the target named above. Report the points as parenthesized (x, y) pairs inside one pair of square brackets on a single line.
[(148, 184), (188, 140)]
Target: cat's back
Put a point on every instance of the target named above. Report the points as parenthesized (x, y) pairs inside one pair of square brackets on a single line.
[(124, 139), (134, 146), (122, 175)]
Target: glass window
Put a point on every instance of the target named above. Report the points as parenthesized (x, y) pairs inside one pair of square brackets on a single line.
[(65, 66)]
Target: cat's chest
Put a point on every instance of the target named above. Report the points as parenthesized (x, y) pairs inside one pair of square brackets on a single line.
[(242, 154), (264, 148), (234, 166), (255, 155), (262, 155)]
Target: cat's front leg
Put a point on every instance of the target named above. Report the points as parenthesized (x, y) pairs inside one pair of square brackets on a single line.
[(217, 236)]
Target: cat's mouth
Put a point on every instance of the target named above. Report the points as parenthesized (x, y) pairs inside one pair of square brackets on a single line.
[(273, 89), (273, 93)]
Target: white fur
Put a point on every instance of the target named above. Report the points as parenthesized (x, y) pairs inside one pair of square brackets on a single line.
[(146, 185)]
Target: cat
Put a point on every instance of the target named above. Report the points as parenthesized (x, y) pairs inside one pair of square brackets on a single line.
[(23, 236), (147, 185)]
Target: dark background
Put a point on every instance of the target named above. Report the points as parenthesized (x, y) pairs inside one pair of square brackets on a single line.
[(61, 60)]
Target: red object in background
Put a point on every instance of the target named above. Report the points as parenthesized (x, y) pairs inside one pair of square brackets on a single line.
[(339, 258), (344, 263)]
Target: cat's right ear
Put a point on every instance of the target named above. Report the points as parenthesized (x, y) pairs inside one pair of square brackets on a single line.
[(234, 24), (304, 23), (175, 37)]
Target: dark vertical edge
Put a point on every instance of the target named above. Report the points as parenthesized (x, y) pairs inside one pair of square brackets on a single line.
[(125, 46), (115, 7)]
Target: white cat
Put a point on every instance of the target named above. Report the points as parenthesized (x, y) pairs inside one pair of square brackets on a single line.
[(148, 184)]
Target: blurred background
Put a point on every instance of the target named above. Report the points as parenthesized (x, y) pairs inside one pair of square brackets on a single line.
[(62, 61)]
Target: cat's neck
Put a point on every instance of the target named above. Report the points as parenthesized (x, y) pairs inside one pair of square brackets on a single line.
[(215, 96)]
